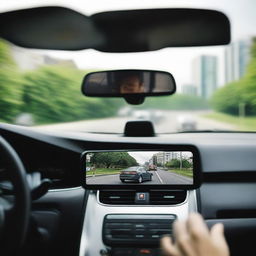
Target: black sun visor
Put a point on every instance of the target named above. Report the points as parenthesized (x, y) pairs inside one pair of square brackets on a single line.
[(59, 28)]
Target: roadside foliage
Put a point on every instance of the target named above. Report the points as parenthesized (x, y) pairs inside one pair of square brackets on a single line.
[(113, 160), (50, 93), (231, 97)]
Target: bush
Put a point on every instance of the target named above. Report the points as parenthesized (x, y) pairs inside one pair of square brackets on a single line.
[(228, 98), (176, 102), (50, 93), (175, 163)]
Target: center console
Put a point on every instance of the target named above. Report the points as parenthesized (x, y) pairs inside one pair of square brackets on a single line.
[(129, 229), (135, 229)]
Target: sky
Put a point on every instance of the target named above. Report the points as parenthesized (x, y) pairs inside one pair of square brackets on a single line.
[(144, 156), (178, 61)]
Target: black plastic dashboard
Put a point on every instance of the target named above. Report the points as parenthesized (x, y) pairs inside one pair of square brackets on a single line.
[(228, 166), (220, 152)]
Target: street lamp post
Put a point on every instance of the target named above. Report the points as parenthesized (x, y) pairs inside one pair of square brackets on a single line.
[(180, 160)]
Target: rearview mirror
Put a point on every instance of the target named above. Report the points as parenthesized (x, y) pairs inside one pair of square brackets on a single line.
[(127, 83)]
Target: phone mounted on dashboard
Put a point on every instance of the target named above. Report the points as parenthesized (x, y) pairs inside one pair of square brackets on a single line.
[(143, 168)]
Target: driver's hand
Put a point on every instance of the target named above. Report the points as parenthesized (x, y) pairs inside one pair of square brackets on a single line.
[(193, 238)]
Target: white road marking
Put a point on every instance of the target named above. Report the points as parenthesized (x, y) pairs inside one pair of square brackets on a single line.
[(159, 178)]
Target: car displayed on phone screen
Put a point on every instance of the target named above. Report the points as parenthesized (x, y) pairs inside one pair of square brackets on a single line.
[(136, 173)]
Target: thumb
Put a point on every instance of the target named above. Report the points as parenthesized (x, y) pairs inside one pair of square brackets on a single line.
[(168, 248), (217, 234), (217, 231)]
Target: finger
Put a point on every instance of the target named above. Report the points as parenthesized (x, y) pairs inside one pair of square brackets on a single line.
[(218, 238), (197, 227), (183, 240), (217, 234), (180, 229), (217, 231), (168, 246)]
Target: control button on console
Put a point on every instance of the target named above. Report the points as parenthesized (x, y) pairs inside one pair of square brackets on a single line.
[(139, 226), (140, 236), (145, 252), (141, 196)]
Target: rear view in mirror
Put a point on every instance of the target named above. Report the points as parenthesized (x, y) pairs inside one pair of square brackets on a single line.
[(121, 83)]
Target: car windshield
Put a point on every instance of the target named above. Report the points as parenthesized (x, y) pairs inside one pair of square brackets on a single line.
[(216, 86), (131, 169)]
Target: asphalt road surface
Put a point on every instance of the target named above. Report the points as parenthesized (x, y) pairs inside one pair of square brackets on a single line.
[(159, 177), (168, 123)]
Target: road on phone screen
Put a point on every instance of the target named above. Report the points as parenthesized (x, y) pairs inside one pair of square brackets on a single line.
[(159, 177)]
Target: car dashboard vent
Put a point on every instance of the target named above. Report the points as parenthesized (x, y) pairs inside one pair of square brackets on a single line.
[(117, 196), (156, 197), (167, 197)]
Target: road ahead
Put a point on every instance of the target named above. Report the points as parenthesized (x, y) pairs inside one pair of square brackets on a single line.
[(167, 124), (159, 177)]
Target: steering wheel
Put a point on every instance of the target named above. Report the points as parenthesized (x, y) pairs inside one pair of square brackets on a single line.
[(14, 214)]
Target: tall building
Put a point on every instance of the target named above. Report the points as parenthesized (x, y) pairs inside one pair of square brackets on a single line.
[(168, 156), (26, 59), (205, 75), (61, 62), (163, 157), (31, 60), (189, 89), (160, 158), (237, 56)]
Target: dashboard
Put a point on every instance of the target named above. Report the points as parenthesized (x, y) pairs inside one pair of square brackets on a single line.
[(95, 217)]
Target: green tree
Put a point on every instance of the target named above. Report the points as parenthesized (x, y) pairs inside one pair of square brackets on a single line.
[(10, 85), (176, 102), (248, 84), (53, 94), (102, 159), (228, 98), (186, 164), (50, 93), (123, 159), (113, 160), (176, 163)]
